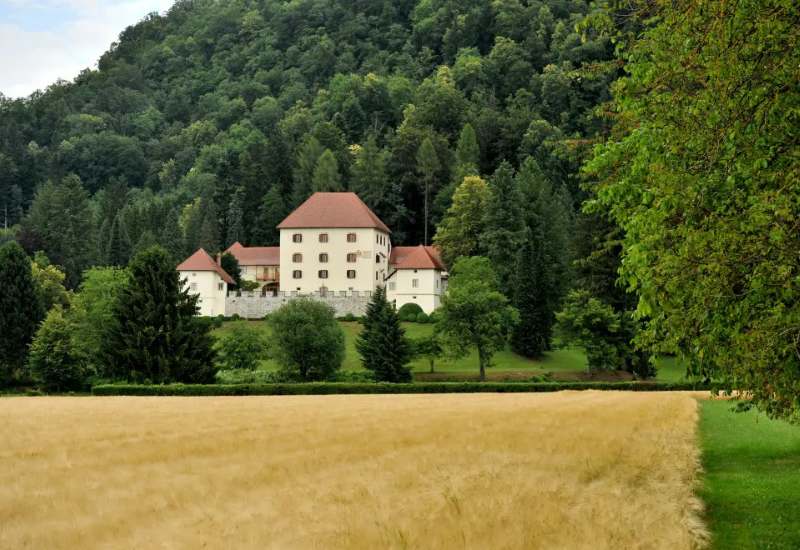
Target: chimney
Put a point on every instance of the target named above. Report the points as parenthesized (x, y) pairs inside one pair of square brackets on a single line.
[(219, 259)]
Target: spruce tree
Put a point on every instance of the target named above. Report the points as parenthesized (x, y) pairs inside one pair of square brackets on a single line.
[(427, 165), (209, 228), (532, 287), (310, 151), (384, 348), (235, 221), (154, 336), (172, 237), (230, 265), (505, 225), (467, 159), (119, 248), (271, 212), (369, 179), (326, 174), (20, 309)]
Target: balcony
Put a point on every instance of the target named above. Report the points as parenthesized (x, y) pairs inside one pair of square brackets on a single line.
[(269, 276)]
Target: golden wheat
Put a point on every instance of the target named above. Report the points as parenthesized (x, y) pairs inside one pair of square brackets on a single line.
[(569, 470)]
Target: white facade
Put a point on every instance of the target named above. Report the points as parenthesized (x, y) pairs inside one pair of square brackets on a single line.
[(420, 286), (211, 288), (336, 259)]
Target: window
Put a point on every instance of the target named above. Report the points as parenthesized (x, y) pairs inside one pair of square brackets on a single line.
[(323, 237), (323, 274), (376, 275), (391, 286), (220, 286), (351, 273), (414, 283), (297, 274), (377, 258), (193, 287), (297, 258), (323, 258), (437, 283), (351, 258), (297, 238), (351, 237)]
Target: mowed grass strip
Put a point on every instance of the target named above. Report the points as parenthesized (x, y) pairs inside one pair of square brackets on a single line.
[(752, 479), (600, 470)]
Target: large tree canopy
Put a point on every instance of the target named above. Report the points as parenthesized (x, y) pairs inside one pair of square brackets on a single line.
[(702, 175)]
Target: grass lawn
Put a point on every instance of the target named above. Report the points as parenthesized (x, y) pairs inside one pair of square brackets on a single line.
[(752, 479), (564, 364)]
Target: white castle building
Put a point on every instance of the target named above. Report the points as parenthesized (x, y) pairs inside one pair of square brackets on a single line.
[(334, 246)]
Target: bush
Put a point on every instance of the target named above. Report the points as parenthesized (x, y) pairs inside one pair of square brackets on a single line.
[(350, 317), (406, 310), (411, 318), (236, 317), (434, 317), (327, 388), (243, 348), (217, 322), (423, 318)]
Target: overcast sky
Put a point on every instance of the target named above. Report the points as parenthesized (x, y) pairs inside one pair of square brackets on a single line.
[(44, 40)]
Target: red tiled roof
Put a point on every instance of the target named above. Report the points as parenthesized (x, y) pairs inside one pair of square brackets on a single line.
[(256, 255), (416, 257), (333, 210), (201, 261)]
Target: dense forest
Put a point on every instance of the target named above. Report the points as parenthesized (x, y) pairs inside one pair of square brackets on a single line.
[(209, 123)]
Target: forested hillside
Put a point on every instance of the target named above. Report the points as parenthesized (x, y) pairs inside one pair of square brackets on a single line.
[(208, 124)]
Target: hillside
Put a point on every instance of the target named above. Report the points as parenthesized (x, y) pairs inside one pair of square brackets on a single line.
[(227, 101)]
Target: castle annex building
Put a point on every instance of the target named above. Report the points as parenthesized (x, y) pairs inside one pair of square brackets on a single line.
[(332, 245)]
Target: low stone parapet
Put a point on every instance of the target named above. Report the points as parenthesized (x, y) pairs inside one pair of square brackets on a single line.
[(254, 305)]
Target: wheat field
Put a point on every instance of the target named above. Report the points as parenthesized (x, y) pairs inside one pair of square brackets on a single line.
[(599, 470)]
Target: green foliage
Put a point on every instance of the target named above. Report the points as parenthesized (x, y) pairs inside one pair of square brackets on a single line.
[(307, 340), (93, 313), (593, 326), (709, 236), (271, 212), (459, 234), (532, 291), (50, 283), (422, 318), (21, 310), (428, 347), (427, 165), (409, 309), (154, 336), (326, 174), (230, 265), (242, 349), (119, 248), (55, 362), (504, 233), (474, 313), (334, 388), (382, 344)]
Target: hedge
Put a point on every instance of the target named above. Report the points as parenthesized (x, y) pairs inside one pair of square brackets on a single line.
[(326, 388)]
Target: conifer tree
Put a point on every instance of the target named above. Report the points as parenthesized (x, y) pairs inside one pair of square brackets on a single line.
[(533, 287), (467, 159), (326, 174), (427, 164), (209, 228), (154, 336), (119, 248), (307, 159), (271, 212), (235, 221), (172, 237), (230, 265), (382, 344), (369, 179), (20, 309), (505, 225), (460, 231)]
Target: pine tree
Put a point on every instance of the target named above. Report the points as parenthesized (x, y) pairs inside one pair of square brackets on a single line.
[(172, 238), (326, 174), (271, 212), (209, 228), (427, 165), (384, 348), (154, 336), (310, 151), (505, 225), (467, 159), (460, 231), (235, 221), (533, 286), (230, 265), (16, 205), (369, 179), (119, 248), (20, 309), (145, 240)]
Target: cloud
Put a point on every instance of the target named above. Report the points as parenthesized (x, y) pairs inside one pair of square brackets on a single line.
[(41, 42)]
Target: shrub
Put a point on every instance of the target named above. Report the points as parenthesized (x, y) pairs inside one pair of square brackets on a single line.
[(350, 317), (217, 322), (328, 388), (406, 310), (307, 339), (423, 318), (236, 317), (434, 317), (411, 318), (243, 348)]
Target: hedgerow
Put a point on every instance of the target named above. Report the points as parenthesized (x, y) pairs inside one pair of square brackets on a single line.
[(328, 388)]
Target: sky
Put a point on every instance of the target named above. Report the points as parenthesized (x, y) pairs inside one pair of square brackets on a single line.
[(44, 40)]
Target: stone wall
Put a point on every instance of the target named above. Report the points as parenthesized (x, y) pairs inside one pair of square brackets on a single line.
[(253, 305)]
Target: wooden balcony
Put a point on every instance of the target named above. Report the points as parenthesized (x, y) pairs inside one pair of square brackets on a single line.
[(269, 276)]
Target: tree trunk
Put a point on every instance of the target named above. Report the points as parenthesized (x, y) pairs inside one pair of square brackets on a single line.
[(482, 363), (431, 366), (426, 213)]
